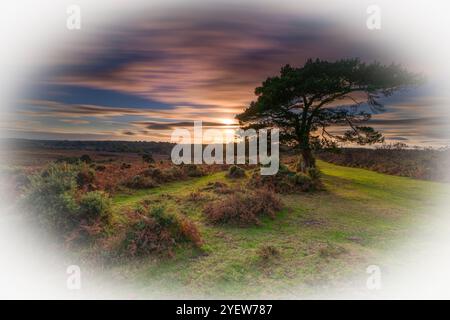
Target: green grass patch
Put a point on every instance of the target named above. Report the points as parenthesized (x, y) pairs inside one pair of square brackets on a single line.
[(322, 238)]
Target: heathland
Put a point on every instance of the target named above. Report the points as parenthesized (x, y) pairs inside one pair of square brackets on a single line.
[(219, 231)]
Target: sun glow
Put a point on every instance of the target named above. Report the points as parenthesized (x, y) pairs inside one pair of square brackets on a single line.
[(228, 122)]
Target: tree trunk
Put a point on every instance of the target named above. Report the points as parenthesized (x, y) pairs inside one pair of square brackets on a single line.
[(308, 160)]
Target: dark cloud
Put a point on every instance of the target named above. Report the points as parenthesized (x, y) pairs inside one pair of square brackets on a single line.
[(173, 125), (409, 122), (398, 138)]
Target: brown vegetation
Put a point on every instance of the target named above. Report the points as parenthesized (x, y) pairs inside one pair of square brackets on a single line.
[(287, 181), (243, 208), (153, 230)]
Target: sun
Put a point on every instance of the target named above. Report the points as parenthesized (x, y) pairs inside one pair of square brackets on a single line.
[(227, 121)]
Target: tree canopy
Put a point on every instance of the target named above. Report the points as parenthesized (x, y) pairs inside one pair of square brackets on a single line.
[(303, 102)]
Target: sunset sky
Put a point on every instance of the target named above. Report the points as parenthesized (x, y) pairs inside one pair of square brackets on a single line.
[(139, 78)]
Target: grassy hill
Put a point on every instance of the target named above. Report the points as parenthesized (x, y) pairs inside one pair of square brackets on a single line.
[(318, 240)]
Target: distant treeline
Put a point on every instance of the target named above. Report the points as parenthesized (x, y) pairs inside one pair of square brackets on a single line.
[(140, 147), (397, 159), (101, 146)]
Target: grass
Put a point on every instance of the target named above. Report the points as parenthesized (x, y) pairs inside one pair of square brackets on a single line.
[(323, 239)]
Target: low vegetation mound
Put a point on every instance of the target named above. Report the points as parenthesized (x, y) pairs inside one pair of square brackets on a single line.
[(243, 208), (153, 230), (57, 200), (235, 172), (139, 182), (287, 181), (193, 170), (218, 187), (95, 205)]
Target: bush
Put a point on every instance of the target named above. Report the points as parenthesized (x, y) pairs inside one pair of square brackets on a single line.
[(286, 181), (125, 165), (235, 172), (68, 160), (196, 196), (153, 230), (193, 170), (314, 174), (164, 175), (156, 174), (100, 167), (303, 181), (85, 158), (95, 205), (243, 209), (283, 169), (50, 196), (140, 182), (148, 158), (86, 177), (218, 187)]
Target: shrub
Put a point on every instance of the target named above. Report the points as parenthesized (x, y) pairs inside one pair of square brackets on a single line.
[(148, 158), (156, 231), (95, 205), (85, 158), (286, 181), (235, 172), (269, 202), (164, 175), (100, 167), (303, 181), (50, 196), (174, 173), (125, 165), (283, 169), (243, 209), (154, 173), (68, 160), (140, 182), (196, 196), (218, 187), (190, 232), (193, 170), (314, 174), (86, 177)]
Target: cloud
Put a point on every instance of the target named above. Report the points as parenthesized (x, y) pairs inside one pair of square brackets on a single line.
[(75, 121), (398, 138), (429, 121), (173, 125), (208, 58), (146, 76)]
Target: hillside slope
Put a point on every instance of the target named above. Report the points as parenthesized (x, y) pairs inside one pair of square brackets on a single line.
[(324, 239)]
